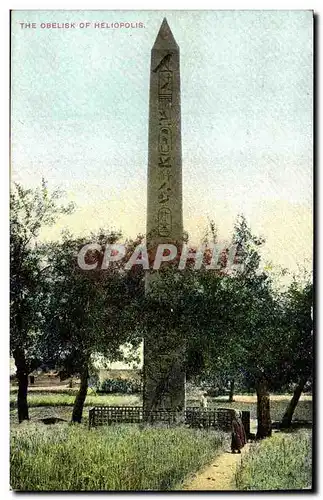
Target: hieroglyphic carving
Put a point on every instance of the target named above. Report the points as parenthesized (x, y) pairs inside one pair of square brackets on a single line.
[(164, 63), (164, 175), (165, 109), (164, 221), (165, 161), (164, 192), (165, 79), (165, 89), (165, 140)]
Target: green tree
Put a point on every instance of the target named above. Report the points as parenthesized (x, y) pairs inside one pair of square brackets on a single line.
[(30, 210), (269, 332), (298, 363), (87, 310), (240, 321)]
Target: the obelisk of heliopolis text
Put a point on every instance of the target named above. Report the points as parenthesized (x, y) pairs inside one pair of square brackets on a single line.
[(164, 378)]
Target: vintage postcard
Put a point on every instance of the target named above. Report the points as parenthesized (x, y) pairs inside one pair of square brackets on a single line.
[(161, 225)]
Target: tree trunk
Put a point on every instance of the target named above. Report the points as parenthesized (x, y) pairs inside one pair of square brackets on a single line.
[(288, 415), (263, 410), (231, 391), (22, 377), (81, 395)]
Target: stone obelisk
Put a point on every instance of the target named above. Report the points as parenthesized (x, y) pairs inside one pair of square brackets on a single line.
[(164, 377)]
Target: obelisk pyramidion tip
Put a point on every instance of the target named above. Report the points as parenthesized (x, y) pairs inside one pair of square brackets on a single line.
[(165, 38)]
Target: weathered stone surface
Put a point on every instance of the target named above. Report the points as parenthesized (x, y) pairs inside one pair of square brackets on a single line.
[(164, 207), (164, 377)]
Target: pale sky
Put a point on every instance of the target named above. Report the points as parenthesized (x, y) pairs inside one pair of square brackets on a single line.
[(80, 119)]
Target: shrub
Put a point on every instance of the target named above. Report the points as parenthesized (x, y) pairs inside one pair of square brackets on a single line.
[(122, 386)]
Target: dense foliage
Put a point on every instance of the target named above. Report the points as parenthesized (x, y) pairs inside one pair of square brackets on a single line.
[(236, 324)]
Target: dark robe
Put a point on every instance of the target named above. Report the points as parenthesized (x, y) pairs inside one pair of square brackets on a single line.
[(239, 438)]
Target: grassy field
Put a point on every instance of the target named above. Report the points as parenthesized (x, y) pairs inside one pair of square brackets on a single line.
[(282, 462), (49, 390), (54, 399), (277, 407), (69, 457)]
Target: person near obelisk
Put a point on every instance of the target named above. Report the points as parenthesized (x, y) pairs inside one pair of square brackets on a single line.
[(238, 435)]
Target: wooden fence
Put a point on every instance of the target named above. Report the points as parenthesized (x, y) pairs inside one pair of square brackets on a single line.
[(220, 418)]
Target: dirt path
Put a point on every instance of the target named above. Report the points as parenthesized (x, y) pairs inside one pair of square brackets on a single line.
[(218, 476)]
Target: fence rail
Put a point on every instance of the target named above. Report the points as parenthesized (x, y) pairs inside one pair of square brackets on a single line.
[(221, 418)]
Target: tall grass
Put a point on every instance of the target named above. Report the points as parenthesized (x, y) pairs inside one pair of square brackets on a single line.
[(282, 462), (73, 458)]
